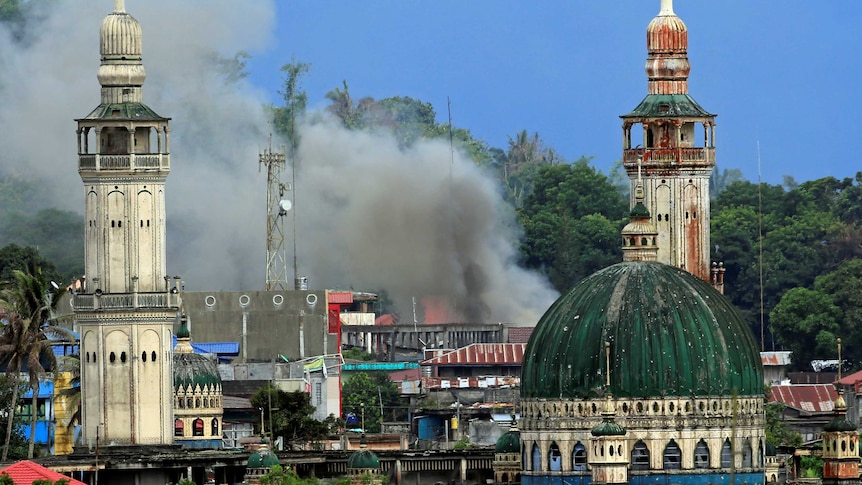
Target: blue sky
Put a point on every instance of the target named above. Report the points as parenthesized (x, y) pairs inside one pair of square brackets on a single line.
[(781, 73)]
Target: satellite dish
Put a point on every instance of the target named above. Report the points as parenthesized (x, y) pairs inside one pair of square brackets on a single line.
[(284, 205)]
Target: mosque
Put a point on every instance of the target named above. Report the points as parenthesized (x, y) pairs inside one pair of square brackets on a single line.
[(644, 373)]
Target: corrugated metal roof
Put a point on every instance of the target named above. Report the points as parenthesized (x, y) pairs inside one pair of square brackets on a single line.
[(812, 398), (776, 358), (481, 354), (340, 297), (28, 472)]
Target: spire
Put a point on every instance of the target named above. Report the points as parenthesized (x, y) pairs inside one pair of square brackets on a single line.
[(121, 72), (666, 7), (640, 234), (184, 337), (119, 6)]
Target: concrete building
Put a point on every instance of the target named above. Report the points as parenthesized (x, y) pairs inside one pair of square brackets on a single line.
[(126, 311)]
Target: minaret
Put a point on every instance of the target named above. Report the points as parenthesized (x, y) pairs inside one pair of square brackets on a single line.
[(128, 307), (676, 149), (610, 459), (840, 443)]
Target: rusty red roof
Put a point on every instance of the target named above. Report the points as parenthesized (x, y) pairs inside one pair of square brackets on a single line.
[(520, 335), (340, 297), (812, 398), (481, 354), (27, 472), (776, 358)]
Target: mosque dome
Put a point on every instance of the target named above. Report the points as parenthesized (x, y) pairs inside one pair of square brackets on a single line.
[(262, 458), (191, 369), (671, 334), (364, 459), (510, 442)]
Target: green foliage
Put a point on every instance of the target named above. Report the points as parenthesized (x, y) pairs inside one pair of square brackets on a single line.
[(290, 414), (14, 257), (364, 391), (6, 479), (462, 444), (286, 118), (357, 354), (61, 481), (571, 221), (777, 431), (10, 386), (285, 476), (518, 167), (721, 179), (811, 466), (185, 481), (56, 233)]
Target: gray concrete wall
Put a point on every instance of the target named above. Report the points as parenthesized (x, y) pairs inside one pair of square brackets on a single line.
[(265, 323)]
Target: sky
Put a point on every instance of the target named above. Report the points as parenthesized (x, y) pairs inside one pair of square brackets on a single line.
[(779, 74), (372, 217)]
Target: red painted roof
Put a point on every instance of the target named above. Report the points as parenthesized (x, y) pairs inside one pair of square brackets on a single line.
[(852, 379), (25, 472), (481, 354), (812, 398), (520, 335), (340, 297)]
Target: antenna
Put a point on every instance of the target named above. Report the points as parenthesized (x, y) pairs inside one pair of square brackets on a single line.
[(451, 144), (276, 207), (760, 248)]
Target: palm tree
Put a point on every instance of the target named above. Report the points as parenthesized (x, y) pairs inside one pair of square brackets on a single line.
[(29, 302)]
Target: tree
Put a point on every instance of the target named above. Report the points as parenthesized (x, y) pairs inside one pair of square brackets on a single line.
[(806, 322), (366, 393), (295, 101), (721, 179), (519, 165), (29, 302), (24, 258), (571, 222), (777, 431), (289, 414)]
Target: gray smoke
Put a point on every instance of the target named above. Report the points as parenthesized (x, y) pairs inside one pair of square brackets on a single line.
[(370, 216)]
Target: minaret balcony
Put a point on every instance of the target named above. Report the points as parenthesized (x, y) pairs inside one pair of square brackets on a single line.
[(126, 301), (126, 162), (669, 158)]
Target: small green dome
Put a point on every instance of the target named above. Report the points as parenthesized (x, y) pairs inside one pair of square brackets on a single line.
[(363, 460), (270, 460), (839, 423), (608, 427), (254, 460), (183, 331), (671, 334), (639, 211), (510, 442)]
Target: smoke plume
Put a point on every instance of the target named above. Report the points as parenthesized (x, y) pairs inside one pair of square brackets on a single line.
[(370, 216)]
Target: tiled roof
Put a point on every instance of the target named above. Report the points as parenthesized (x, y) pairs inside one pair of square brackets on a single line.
[(520, 335), (26, 472), (481, 354), (811, 398), (852, 379)]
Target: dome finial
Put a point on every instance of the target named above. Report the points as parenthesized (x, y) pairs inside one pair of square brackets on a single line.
[(666, 7), (119, 6)]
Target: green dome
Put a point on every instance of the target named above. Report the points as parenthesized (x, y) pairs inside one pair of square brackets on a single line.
[(263, 458), (510, 442), (363, 460), (608, 427), (254, 461), (194, 369), (671, 334), (839, 423), (270, 460)]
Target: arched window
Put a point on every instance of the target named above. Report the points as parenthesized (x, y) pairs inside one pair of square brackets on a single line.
[(726, 454), (640, 456), (537, 458), (153, 356), (198, 427), (701, 455), (178, 427), (555, 460), (760, 454), (579, 457), (746, 454), (144, 356), (214, 427), (672, 456)]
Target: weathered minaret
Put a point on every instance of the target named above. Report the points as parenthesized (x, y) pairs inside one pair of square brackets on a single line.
[(675, 144), (128, 306)]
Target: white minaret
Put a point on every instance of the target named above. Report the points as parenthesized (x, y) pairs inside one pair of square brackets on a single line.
[(672, 138), (128, 306)]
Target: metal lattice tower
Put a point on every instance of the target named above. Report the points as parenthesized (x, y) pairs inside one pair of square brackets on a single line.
[(276, 207)]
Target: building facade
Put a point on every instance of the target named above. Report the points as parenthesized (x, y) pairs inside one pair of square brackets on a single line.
[(127, 309)]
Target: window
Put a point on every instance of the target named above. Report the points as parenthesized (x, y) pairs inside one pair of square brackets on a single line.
[(153, 356), (178, 427), (537, 458), (214, 427), (701, 455), (318, 392), (555, 460), (672, 456), (726, 454), (640, 456), (198, 427), (746, 454), (112, 357), (144, 356), (579, 457)]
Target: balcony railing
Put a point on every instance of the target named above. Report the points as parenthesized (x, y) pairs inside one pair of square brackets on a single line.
[(668, 157), (145, 161), (125, 301)]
